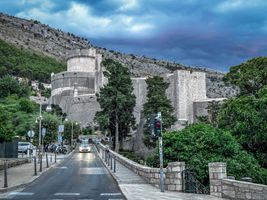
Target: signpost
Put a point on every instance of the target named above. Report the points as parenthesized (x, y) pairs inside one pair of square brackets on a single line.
[(61, 128), (60, 132), (159, 134), (30, 134), (43, 131), (155, 124)]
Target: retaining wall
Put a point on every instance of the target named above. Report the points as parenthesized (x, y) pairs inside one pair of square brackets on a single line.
[(173, 172), (220, 186)]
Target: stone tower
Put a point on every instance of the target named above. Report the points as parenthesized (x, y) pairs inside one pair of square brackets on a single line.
[(75, 89)]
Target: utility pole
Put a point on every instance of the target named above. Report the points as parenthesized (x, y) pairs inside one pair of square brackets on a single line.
[(71, 134), (40, 127), (156, 128), (161, 154)]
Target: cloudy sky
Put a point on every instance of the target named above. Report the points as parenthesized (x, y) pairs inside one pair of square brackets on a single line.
[(210, 33)]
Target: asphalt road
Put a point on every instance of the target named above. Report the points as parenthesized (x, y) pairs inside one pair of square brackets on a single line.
[(82, 176)]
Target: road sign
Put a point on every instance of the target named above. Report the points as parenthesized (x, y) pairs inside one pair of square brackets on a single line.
[(61, 128), (43, 131), (30, 133), (59, 138)]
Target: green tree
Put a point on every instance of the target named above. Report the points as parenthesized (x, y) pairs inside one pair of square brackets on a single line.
[(199, 144), (249, 76), (117, 102), (70, 126), (157, 101), (23, 63), (6, 131), (50, 122), (26, 105), (8, 86), (246, 118)]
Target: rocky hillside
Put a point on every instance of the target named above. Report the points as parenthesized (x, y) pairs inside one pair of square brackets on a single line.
[(42, 39)]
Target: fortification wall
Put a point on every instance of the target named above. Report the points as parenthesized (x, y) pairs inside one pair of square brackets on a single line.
[(86, 60), (185, 88), (200, 108), (65, 81), (73, 90), (83, 109), (140, 91)]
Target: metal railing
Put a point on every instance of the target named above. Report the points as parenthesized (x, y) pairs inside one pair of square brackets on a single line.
[(191, 184)]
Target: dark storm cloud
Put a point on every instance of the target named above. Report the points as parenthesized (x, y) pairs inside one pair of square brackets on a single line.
[(211, 33)]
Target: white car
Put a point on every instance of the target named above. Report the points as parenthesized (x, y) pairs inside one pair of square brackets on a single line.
[(24, 146), (84, 147)]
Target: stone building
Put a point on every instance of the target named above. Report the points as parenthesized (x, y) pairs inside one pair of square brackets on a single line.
[(75, 90)]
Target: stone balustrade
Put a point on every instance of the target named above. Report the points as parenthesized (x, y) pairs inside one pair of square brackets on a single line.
[(173, 172), (220, 186)]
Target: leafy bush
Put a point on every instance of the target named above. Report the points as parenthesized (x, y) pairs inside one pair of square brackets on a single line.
[(10, 86), (132, 156), (246, 117), (26, 105), (22, 63), (6, 132), (199, 144)]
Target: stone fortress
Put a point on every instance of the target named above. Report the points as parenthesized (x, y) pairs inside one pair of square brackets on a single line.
[(75, 90)]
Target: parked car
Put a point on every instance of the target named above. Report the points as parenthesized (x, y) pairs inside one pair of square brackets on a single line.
[(24, 146), (84, 148)]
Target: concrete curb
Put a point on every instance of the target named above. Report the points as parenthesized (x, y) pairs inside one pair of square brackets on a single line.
[(15, 187), (13, 163)]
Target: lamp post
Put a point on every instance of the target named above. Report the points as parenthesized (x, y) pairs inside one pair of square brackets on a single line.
[(48, 109), (40, 126)]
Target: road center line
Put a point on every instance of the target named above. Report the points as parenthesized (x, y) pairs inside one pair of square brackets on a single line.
[(21, 193), (115, 199), (110, 194), (67, 194)]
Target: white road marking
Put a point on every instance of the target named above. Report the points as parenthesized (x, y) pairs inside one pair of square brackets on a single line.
[(92, 170), (63, 167), (67, 194), (55, 199), (110, 194), (21, 193), (115, 199), (85, 199)]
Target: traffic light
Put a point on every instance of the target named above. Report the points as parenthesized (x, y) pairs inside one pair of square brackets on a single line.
[(157, 127), (152, 125), (155, 124)]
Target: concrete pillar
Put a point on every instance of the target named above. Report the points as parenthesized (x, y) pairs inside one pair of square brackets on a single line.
[(217, 172), (173, 180)]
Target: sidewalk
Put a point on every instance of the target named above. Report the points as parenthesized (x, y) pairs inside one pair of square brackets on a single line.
[(135, 188), (21, 175)]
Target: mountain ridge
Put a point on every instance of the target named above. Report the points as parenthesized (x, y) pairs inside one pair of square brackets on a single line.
[(48, 41)]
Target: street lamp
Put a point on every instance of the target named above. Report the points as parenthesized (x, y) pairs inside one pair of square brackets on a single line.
[(48, 109)]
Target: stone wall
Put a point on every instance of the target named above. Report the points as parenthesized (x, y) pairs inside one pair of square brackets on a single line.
[(83, 109), (140, 91), (173, 172), (86, 60), (200, 108), (85, 77), (220, 186)]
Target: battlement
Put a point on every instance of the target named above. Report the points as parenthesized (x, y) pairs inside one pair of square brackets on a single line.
[(82, 53)]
